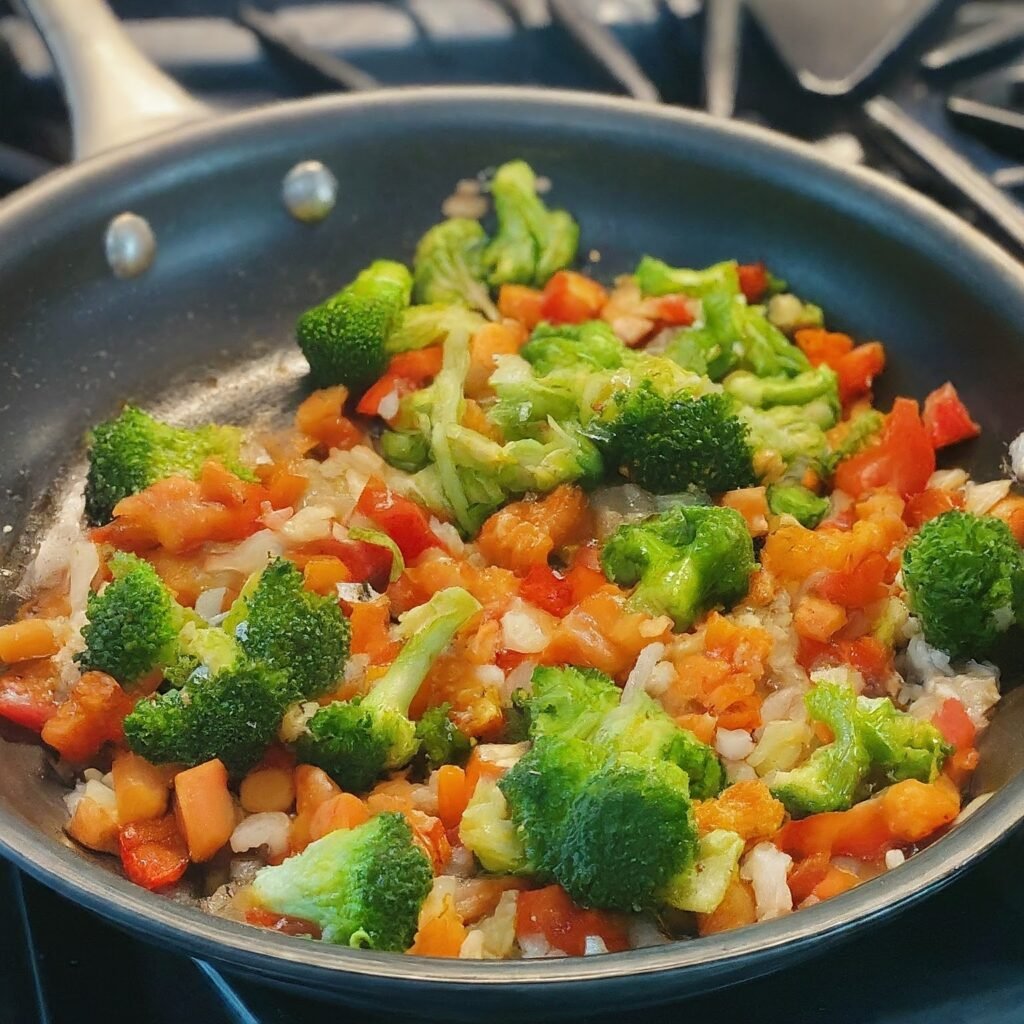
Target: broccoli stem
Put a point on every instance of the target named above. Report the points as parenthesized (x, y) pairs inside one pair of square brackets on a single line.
[(435, 624)]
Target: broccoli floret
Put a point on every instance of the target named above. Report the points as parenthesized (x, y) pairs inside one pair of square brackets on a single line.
[(363, 886), (766, 392), (278, 621), (795, 500), (683, 562), (488, 831), (655, 277), (640, 725), (540, 788), (355, 741), (441, 740), (964, 576), (133, 624), (129, 453), (899, 745), (862, 430), (701, 887), (592, 344), (233, 715), (874, 744), (202, 651), (787, 435), (829, 779), (531, 242), (343, 338), (566, 701), (448, 266), (670, 445), (628, 833)]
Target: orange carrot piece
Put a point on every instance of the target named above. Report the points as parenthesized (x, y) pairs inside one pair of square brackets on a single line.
[(817, 618), (141, 789), (440, 935), (452, 794), (836, 880), (322, 574), (752, 504), (746, 808), (204, 808), (736, 910), (30, 638)]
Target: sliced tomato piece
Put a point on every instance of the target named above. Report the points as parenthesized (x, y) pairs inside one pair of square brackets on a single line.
[(928, 504), (675, 310), (549, 913), (946, 417), (955, 724), (27, 694), (858, 369)]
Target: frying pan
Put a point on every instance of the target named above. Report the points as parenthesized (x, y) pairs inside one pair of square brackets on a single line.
[(206, 333)]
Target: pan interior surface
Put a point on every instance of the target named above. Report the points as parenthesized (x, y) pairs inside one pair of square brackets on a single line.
[(207, 334)]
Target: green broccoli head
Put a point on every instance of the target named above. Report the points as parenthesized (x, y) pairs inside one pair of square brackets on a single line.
[(566, 701), (129, 453), (202, 651), (448, 266), (133, 623), (355, 741), (278, 621), (828, 780), (787, 435), (683, 562), (233, 715), (363, 886), (795, 500), (441, 740), (540, 789), (628, 833), (899, 745), (592, 345), (669, 445), (964, 576), (344, 338), (640, 725), (531, 242)]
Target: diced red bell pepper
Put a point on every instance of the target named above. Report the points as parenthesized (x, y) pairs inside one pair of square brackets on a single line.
[(153, 853), (903, 459), (406, 372), (955, 724), (753, 280), (549, 913), (547, 589), (860, 585), (858, 369), (571, 298), (27, 694), (675, 310), (866, 654), (946, 417), (401, 519)]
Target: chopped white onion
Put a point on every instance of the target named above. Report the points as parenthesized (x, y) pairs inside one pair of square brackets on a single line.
[(1017, 456), (525, 629), (268, 828), (979, 498), (640, 674), (250, 556), (765, 867), (947, 480), (210, 603), (894, 858), (593, 945), (388, 406), (734, 744)]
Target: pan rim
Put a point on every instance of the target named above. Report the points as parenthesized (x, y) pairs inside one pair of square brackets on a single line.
[(58, 866)]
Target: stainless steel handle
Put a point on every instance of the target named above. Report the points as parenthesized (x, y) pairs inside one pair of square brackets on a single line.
[(115, 93)]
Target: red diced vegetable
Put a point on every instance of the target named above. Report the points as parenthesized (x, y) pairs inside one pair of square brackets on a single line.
[(401, 519), (946, 417)]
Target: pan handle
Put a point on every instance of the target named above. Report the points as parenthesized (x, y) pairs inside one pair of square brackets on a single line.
[(115, 93)]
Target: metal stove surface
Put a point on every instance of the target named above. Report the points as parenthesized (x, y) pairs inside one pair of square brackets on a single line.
[(959, 957)]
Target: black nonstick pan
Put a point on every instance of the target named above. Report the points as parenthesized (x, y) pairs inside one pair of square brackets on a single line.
[(206, 333)]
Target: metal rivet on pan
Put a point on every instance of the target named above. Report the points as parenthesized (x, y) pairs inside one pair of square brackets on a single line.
[(130, 245), (309, 191)]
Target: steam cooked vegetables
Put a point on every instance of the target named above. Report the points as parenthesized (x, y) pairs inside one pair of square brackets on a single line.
[(557, 612)]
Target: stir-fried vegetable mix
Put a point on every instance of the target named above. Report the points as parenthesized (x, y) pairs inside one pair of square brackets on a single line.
[(564, 617)]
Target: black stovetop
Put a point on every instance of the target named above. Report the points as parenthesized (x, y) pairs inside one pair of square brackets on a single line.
[(959, 956)]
